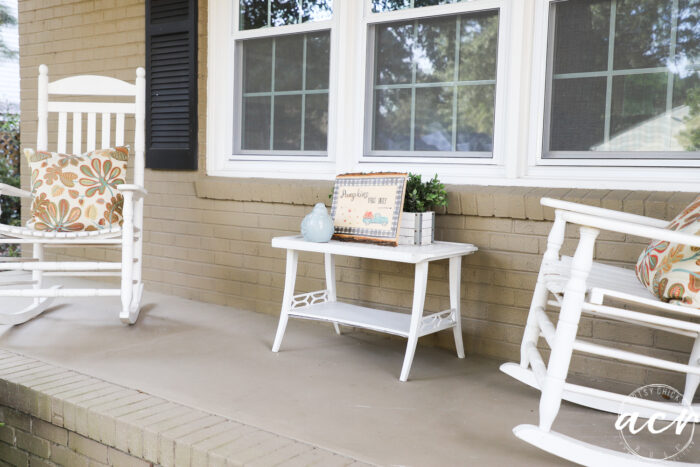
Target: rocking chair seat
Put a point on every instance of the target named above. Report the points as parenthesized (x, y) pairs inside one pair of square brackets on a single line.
[(602, 277), (9, 231), (608, 281)]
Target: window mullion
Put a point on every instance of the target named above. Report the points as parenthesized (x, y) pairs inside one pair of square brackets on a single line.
[(671, 76), (303, 94), (436, 84), (611, 65), (458, 39), (272, 94), (375, 83), (269, 13), (413, 85)]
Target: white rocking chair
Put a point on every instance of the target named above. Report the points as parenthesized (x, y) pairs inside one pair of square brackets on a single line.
[(128, 237), (580, 285)]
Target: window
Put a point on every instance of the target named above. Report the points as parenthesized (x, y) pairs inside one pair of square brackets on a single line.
[(283, 81), (624, 80), (434, 86)]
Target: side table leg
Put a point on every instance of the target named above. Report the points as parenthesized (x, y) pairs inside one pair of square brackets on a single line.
[(330, 283), (455, 299), (419, 286), (289, 281)]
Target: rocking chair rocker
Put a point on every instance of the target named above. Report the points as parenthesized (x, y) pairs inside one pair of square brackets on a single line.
[(579, 286), (128, 237)]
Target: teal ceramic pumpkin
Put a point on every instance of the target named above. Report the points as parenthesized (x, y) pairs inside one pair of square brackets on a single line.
[(317, 226)]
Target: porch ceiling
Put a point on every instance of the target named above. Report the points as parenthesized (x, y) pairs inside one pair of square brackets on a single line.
[(338, 392)]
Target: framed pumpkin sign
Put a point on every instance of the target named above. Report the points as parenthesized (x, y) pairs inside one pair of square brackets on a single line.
[(367, 207)]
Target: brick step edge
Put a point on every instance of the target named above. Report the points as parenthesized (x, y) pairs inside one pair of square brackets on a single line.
[(54, 416)]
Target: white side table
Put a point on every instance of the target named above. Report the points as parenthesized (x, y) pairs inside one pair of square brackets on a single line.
[(322, 305)]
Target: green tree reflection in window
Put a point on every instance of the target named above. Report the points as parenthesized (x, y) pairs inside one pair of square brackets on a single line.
[(256, 14), (625, 78), (379, 6)]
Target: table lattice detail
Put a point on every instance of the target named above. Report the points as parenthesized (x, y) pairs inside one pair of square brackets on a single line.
[(437, 321), (311, 298)]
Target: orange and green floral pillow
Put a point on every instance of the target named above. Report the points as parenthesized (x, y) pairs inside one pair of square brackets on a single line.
[(672, 271), (77, 192)]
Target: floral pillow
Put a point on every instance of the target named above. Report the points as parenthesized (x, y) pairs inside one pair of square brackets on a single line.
[(77, 192), (672, 271)]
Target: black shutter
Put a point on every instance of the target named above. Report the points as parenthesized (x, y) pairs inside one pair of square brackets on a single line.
[(171, 84)]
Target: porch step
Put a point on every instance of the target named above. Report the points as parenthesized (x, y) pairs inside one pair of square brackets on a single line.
[(69, 418)]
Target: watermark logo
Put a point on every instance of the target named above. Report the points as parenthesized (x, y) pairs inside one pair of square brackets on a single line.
[(652, 433)]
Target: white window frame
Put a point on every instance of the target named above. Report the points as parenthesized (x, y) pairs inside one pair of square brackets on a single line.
[(618, 173), (371, 21), (350, 26), (224, 92), (454, 170), (520, 109)]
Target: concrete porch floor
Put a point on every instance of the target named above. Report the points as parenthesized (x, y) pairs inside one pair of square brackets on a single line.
[(337, 392)]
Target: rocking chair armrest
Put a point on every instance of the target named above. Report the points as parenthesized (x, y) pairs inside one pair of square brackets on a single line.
[(8, 190), (138, 191), (602, 212), (631, 228)]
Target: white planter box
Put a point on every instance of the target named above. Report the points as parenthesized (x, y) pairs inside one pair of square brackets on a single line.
[(417, 228)]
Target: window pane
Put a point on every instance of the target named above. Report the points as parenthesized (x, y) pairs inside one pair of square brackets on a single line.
[(637, 121), (317, 10), (270, 13), (389, 5), (424, 101), (289, 60), (379, 6), (624, 77), (478, 47), (687, 117), (578, 114), (392, 120), (257, 65), (433, 119), (581, 36), (253, 14), (284, 95), (283, 12), (318, 54), (688, 33), (433, 52), (316, 122), (475, 110), (642, 33), (394, 53), (287, 123), (256, 123)]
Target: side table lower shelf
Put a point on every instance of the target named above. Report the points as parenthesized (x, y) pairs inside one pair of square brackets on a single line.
[(388, 322), (357, 316)]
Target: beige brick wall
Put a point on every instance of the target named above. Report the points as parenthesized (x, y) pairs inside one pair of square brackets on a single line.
[(209, 239), (27, 440)]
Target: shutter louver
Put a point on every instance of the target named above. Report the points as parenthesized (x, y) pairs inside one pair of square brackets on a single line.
[(171, 84)]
